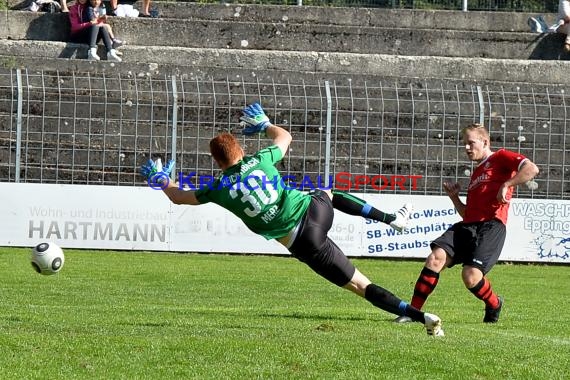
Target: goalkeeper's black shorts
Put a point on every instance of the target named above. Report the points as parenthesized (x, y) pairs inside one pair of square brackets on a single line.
[(313, 247)]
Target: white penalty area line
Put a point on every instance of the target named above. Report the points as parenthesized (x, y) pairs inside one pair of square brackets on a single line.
[(547, 339)]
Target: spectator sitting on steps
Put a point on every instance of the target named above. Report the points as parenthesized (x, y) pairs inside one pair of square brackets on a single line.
[(90, 32), (96, 13)]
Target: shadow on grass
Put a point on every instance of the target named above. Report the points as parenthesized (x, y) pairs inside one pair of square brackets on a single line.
[(316, 317)]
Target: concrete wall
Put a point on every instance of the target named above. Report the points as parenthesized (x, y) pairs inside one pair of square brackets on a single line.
[(363, 17), (365, 35), (204, 63)]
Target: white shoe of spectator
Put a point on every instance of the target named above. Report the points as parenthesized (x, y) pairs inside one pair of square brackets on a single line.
[(112, 56), (535, 25), (92, 55), (117, 43)]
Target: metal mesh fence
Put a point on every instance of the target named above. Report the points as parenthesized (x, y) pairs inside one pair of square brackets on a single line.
[(98, 129)]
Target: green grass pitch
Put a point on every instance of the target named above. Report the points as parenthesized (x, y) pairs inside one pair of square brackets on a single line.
[(130, 315)]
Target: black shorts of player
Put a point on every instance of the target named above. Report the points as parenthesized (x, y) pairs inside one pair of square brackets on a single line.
[(476, 244), (313, 247)]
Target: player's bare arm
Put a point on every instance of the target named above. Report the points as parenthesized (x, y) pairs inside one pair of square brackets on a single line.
[(280, 137), (526, 173), (452, 190), (179, 196)]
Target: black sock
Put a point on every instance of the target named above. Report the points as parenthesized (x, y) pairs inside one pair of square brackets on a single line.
[(352, 205), (387, 301)]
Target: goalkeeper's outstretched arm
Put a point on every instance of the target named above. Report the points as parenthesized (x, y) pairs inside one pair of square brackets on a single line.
[(280, 137), (179, 196), (255, 120)]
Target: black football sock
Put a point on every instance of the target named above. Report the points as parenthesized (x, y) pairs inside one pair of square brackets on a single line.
[(387, 301), (352, 205)]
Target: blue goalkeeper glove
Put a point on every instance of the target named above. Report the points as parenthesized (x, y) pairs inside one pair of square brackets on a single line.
[(155, 173), (254, 119), (169, 167)]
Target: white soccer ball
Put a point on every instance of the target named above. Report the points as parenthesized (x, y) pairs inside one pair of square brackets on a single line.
[(47, 258)]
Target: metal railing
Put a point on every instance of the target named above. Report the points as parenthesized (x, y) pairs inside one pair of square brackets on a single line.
[(98, 129)]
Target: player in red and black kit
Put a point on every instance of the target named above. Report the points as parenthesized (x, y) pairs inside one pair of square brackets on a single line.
[(476, 241)]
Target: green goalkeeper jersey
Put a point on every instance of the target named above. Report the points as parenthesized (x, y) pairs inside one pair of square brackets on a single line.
[(253, 190)]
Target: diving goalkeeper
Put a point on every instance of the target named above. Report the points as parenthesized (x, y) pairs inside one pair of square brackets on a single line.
[(297, 220)]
